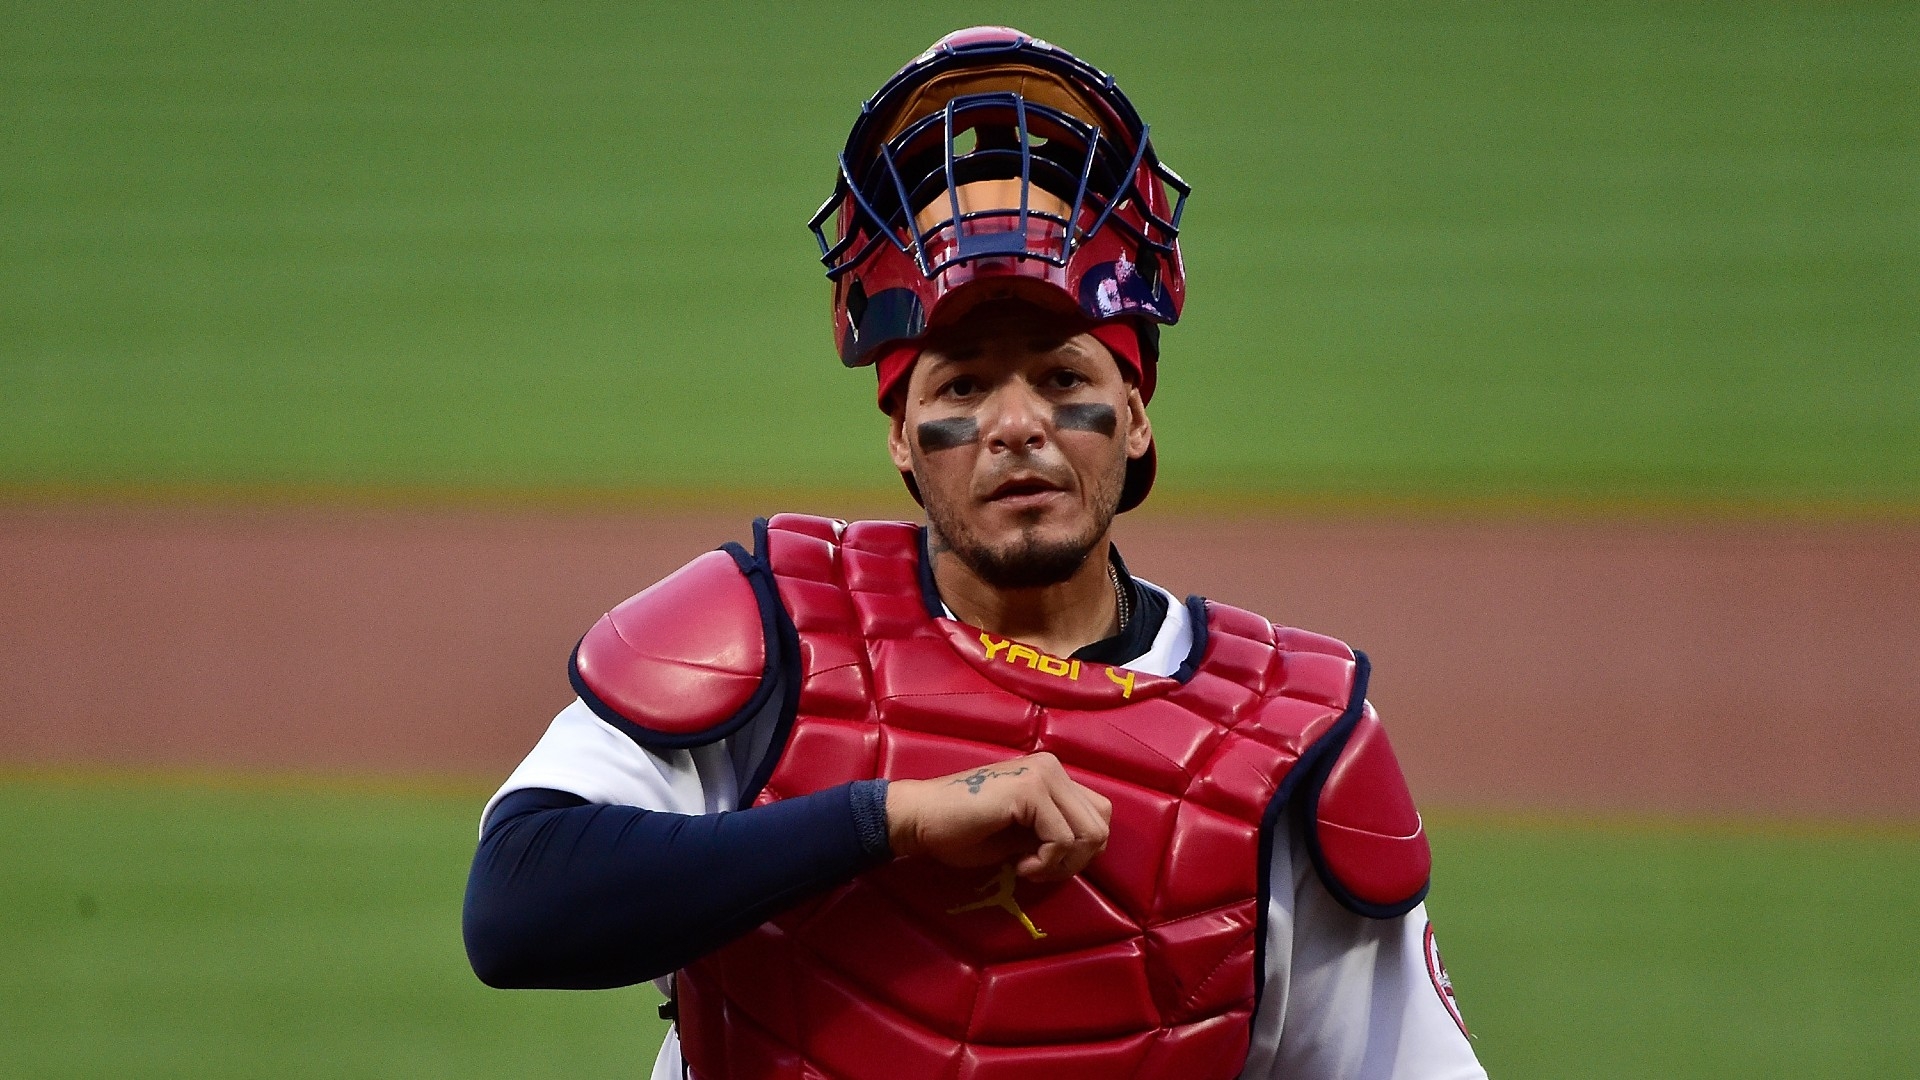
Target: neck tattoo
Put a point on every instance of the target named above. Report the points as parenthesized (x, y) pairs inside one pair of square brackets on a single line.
[(1119, 596)]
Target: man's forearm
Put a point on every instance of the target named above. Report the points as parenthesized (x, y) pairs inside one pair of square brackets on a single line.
[(565, 894)]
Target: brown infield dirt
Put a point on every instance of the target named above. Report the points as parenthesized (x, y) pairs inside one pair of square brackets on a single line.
[(1640, 666)]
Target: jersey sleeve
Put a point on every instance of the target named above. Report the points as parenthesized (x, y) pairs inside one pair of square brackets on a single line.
[(1351, 996), (585, 755)]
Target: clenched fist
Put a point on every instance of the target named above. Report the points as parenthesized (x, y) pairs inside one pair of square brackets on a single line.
[(1027, 810)]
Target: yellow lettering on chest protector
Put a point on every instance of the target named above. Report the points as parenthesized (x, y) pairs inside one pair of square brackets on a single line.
[(1046, 664)]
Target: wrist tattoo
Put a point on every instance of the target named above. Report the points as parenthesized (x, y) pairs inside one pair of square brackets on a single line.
[(978, 777)]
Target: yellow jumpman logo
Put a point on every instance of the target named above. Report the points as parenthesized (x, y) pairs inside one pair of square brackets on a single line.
[(1002, 898)]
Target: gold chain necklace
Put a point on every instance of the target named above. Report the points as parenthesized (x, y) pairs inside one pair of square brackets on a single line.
[(1119, 596)]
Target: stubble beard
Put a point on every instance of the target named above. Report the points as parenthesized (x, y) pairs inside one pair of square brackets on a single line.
[(1029, 560)]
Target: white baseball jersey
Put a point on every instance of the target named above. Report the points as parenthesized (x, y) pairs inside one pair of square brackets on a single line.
[(1346, 996)]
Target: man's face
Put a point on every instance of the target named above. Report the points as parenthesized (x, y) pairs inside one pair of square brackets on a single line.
[(1017, 426)]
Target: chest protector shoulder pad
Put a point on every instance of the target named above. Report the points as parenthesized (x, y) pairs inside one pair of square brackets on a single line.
[(686, 662)]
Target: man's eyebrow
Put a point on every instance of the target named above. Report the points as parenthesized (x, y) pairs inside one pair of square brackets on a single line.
[(956, 354)]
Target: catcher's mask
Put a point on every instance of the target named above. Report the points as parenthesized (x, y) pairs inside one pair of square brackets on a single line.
[(996, 166)]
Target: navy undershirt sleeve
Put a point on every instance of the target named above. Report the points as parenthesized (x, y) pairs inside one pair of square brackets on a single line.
[(566, 894)]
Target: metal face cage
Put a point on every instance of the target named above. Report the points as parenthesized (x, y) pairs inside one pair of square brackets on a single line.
[(1080, 176), (999, 161)]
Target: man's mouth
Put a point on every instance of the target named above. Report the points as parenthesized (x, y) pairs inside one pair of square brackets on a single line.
[(1023, 489)]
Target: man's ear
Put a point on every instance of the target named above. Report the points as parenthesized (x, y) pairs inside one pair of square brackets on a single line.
[(1139, 428), (897, 446)]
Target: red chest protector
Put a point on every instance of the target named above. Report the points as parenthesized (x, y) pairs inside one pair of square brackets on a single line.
[(1146, 965)]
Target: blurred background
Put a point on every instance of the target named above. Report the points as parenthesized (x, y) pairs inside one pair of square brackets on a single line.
[(355, 357)]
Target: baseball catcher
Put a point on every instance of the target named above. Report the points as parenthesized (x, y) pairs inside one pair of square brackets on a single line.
[(967, 799)]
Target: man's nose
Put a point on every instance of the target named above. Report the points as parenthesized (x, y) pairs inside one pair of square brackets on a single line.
[(1018, 419)]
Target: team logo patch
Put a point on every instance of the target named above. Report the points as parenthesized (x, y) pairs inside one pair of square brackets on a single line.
[(1443, 985)]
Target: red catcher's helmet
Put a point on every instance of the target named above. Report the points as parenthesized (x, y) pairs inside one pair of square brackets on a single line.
[(995, 166)]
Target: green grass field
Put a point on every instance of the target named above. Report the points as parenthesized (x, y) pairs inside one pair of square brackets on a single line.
[(180, 932), (1665, 251), (158, 930)]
